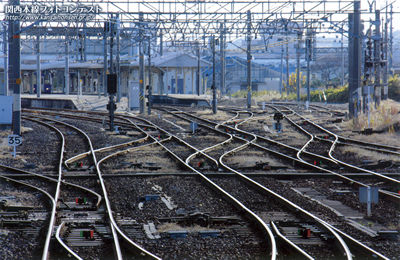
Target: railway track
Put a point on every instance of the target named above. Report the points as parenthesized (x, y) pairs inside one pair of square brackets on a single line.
[(226, 138), (329, 143), (88, 218), (269, 191)]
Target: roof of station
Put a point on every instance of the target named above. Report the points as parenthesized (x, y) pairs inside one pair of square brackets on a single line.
[(168, 60)]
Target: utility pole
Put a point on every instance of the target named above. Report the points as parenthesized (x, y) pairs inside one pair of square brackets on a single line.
[(5, 43), (66, 70), (377, 59), (14, 72), (198, 69), (222, 56), (213, 87), (249, 90), (299, 34), (38, 69), (141, 65)]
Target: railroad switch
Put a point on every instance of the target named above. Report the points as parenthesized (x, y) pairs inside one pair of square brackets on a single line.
[(81, 201), (304, 232), (79, 164), (317, 163), (88, 234)]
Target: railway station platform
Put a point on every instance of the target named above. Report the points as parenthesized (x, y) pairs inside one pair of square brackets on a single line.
[(95, 102)]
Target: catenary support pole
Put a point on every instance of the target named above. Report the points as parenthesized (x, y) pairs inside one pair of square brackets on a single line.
[(281, 76), (342, 59), (66, 69), (299, 34), (38, 69), (249, 90), (141, 65), (105, 61), (112, 24), (161, 44), (5, 53), (198, 69), (390, 55), (287, 66), (84, 33), (222, 58), (385, 64), (377, 59), (354, 60), (14, 72), (308, 59), (118, 61), (149, 77), (213, 87)]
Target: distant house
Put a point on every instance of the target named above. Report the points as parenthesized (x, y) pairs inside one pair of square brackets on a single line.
[(262, 77), (179, 72)]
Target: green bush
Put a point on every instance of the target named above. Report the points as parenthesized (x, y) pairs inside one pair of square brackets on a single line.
[(243, 93), (333, 95)]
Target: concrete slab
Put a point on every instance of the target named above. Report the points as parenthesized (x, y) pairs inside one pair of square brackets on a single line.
[(353, 217)]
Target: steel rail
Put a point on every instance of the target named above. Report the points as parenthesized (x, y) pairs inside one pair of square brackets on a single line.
[(231, 198), (54, 180), (115, 237), (342, 244), (389, 195), (386, 178), (59, 239), (330, 227), (352, 140), (56, 196), (104, 149), (53, 203), (289, 242)]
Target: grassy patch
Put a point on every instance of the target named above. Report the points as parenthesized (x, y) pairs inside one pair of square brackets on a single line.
[(381, 118)]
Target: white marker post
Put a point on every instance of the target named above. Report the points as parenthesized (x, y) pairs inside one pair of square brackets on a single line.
[(14, 141), (193, 127)]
